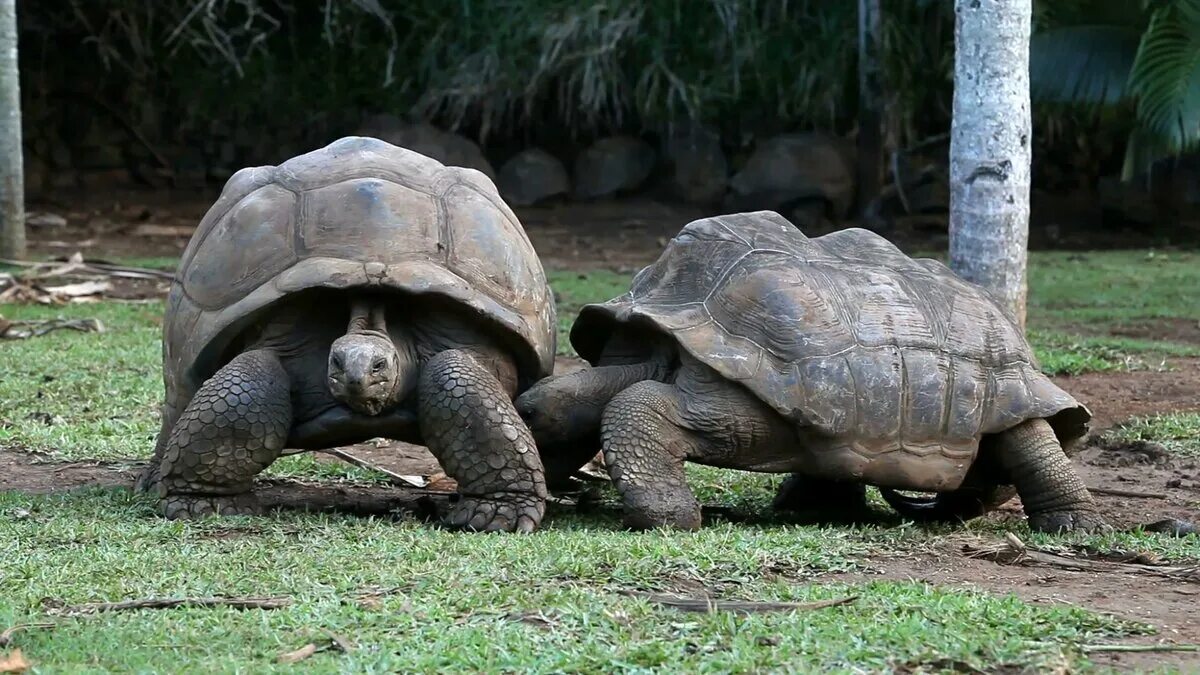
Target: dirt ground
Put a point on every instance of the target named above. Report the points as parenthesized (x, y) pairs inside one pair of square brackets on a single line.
[(627, 236)]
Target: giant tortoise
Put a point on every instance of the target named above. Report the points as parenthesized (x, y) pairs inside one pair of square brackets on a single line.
[(360, 290), (839, 359)]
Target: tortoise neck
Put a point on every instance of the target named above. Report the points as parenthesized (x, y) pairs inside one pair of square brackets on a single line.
[(367, 318)]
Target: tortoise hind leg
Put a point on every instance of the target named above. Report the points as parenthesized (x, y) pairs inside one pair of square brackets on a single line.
[(233, 428), (1054, 497)]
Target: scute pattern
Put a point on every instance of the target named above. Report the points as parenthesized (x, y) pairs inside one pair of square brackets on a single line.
[(358, 212), (884, 360)]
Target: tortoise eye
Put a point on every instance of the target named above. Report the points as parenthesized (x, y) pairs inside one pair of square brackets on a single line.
[(336, 361), (379, 365)]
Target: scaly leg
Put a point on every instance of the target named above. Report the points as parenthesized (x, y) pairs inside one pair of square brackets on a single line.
[(563, 413), (470, 425), (233, 428), (1054, 497), (644, 450)]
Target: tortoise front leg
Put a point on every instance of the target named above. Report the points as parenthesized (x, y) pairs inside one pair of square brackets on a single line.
[(233, 428), (563, 412), (469, 423), (1055, 499), (645, 446)]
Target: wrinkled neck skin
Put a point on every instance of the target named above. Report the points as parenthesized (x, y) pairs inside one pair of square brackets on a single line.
[(566, 410), (370, 368)]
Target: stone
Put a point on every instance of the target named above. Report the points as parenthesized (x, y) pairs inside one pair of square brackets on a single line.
[(446, 147), (532, 176), (699, 170), (791, 168), (612, 165)]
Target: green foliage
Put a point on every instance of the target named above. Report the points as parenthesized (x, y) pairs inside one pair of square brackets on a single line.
[(1126, 54), (503, 67)]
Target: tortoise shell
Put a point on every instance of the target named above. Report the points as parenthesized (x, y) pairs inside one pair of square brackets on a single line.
[(892, 368), (358, 213)]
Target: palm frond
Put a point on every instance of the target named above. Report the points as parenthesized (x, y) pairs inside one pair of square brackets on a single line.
[(1166, 75), (1088, 64)]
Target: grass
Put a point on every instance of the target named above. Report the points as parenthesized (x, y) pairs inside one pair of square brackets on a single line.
[(1178, 431), (543, 603), (549, 602)]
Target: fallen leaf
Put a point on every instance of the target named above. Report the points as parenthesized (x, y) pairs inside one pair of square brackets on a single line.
[(415, 481), (298, 655), (369, 602), (14, 662)]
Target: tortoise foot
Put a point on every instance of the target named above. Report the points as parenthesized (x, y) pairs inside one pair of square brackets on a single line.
[(498, 512), (1068, 520), (188, 507), (671, 508)]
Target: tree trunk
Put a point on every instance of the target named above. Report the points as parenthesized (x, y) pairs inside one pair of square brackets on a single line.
[(870, 105), (12, 179), (990, 147)]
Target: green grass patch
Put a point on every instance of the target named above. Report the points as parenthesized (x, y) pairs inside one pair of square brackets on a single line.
[(84, 395), (1112, 289), (1178, 431), (1066, 354), (543, 603), (573, 290)]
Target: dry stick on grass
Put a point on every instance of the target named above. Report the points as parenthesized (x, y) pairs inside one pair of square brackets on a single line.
[(711, 605), (1126, 493), (6, 636), (1015, 552), (1141, 648), (169, 603), (398, 479)]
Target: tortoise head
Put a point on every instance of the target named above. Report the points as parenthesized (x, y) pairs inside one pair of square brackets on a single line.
[(367, 372), (364, 370)]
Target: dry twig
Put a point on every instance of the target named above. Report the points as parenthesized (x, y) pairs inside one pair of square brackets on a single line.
[(170, 603), (21, 330), (398, 479), (1141, 648), (1016, 552), (711, 605), (6, 636), (1126, 493)]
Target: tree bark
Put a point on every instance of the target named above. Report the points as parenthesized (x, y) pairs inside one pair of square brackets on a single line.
[(12, 178), (870, 105), (990, 147)]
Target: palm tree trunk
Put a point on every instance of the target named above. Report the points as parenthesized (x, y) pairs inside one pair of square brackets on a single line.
[(990, 147), (12, 179)]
